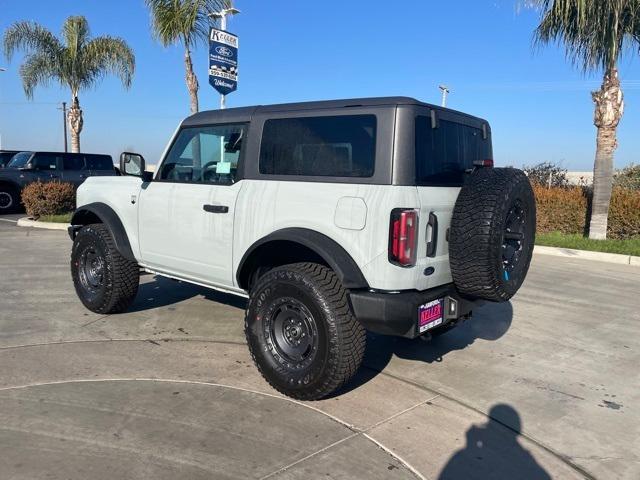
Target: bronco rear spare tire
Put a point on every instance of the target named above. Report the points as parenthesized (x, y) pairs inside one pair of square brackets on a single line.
[(492, 234)]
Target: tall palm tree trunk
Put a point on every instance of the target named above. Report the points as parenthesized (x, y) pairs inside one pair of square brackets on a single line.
[(609, 107), (192, 81), (74, 117)]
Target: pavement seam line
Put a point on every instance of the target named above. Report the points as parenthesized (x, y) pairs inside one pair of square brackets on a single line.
[(7, 220), (108, 340), (311, 455), (395, 455), (94, 321), (110, 446), (271, 395), (396, 415), (194, 382)]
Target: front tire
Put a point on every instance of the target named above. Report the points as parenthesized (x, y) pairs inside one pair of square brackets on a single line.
[(9, 199), (301, 332), (104, 280)]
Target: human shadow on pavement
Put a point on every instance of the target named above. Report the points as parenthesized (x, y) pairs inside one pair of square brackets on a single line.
[(493, 451), (489, 322), (161, 292)]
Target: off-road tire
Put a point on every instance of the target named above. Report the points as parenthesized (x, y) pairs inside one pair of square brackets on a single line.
[(492, 201), (9, 192), (314, 290), (115, 285)]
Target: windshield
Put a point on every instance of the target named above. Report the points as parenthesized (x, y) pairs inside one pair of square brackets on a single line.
[(19, 160), (5, 158)]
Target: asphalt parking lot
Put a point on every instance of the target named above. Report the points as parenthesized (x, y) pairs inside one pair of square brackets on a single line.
[(546, 386)]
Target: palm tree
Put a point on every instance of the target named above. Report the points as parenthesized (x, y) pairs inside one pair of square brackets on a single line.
[(77, 62), (596, 33), (185, 22)]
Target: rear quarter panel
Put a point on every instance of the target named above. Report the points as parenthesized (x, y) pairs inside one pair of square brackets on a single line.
[(264, 207)]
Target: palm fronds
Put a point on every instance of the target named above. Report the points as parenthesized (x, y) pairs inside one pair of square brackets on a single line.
[(77, 62), (595, 33), (184, 21)]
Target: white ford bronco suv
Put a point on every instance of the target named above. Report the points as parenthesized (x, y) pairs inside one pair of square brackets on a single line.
[(333, 217)]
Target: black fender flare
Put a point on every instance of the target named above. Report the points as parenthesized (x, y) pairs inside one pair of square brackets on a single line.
[(326, 248), (10, 182), (87, 214)]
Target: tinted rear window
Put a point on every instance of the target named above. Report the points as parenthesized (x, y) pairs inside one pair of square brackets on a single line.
[(99, 162), (73, 162), (336, 146), (444, 153)]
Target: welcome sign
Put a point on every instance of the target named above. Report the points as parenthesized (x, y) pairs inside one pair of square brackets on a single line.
[(223, 61)]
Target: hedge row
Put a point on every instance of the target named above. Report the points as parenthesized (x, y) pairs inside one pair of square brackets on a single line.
[(565, 209)]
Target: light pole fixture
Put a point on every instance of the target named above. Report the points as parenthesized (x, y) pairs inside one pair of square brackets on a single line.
[(445, 91), (222, 15)]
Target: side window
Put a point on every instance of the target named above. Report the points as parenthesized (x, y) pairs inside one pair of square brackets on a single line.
[(73, 162), (443, 154), (335, 146), (204, 155), (98, 162), (45, 161)]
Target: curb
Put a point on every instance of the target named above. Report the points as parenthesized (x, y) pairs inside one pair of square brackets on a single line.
[(27, 222), (588, 255)]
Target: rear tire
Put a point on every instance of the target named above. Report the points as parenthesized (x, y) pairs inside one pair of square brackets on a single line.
[(492, 234), (301, 332), (104, 280), (9, 199)]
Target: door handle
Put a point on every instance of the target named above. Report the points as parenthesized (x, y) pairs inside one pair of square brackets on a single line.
[(432, 244), (215, 208)]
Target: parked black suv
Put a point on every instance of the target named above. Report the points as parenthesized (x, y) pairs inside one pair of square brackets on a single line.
[(28, 167)]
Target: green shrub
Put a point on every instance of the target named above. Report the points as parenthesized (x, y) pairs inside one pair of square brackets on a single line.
[(628, 177), (565, 210), (48, 198), (624, 213), (560, 209), (548, 174)]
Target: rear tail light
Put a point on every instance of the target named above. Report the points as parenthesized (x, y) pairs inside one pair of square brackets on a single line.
[(483, 163), (403, 236)]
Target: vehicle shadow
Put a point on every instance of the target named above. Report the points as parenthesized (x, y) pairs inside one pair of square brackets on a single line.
[(161, 292), (492, 451), (489, 322)]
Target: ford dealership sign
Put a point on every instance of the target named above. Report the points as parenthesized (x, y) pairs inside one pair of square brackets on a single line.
[(223, 61)]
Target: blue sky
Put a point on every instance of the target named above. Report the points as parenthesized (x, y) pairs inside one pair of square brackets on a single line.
[(539, 106)]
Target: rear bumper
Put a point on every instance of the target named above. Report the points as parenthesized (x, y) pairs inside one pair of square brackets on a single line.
[(397, 313)]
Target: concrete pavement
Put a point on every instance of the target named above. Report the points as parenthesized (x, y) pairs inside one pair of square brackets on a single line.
[(544, 386)]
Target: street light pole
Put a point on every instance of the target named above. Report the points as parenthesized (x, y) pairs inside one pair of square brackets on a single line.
[(222, 15), (223, 26), (64, 124), (445, 91)]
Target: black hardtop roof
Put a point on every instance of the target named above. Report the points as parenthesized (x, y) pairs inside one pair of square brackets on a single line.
[(63, 153), (244, 114)]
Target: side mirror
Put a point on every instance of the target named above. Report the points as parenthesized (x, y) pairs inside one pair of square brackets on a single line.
[(132, 164)]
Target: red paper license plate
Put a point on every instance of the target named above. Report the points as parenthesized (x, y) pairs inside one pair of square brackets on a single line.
[(430, 315)]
